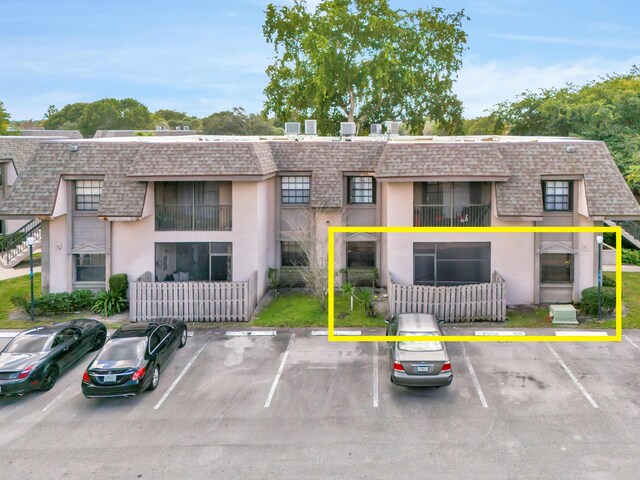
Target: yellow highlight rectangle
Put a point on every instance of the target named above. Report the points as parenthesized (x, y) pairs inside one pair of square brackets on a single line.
[(470, 338)]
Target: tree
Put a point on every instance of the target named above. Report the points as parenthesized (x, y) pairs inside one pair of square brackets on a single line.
[(173, 119), (52, 110), (361, 61), (4, 119), (237, 122), (606, 110), (113, 114), (66, 119)]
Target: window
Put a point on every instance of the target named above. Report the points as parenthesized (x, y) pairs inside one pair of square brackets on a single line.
[(90, 267), (292, 255), (361, 254), (558, 195), (442, 264), (556, 267), (88, 194), (296, 190), (194, 261), (362, 190)]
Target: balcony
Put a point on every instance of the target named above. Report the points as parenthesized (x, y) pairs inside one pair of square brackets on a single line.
[(452, 215), (207, 218)]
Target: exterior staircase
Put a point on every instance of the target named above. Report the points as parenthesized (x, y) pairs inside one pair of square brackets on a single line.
[(630, 229), (14, 247)]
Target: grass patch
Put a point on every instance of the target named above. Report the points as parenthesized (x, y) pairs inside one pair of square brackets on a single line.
[(11, 287), (299, 310), (527, 317), (37, 261), (630, 300)]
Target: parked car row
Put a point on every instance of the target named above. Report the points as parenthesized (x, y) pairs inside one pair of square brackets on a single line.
[(127, 364), (131, 360)]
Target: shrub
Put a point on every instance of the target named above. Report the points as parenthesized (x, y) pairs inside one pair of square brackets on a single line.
[(608, 281), (631, 256), (589, 300), (82, 299), (54, 303), (108, 303), (22, 302), (119, 284), (366, 297)]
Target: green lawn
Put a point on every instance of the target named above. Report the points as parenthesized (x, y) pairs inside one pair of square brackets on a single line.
[(630, 300), (11, 287), (296, 310)]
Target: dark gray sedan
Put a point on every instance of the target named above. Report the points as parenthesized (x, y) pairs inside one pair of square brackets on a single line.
[(418, 363)]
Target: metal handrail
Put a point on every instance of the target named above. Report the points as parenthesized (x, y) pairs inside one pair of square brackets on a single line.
[(16, 242), (632, 227), (452, 215)]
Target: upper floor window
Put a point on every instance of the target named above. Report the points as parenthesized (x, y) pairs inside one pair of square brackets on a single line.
[(558, 195), (88, 194), (362, 190), (296, 190)]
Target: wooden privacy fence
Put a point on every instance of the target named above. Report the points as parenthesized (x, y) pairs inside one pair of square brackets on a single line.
[(193, 301), (463, 303)]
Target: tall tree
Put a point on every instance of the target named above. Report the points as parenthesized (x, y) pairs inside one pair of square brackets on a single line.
[(362, 61), (4, 119), (66, 119), (237, 122)]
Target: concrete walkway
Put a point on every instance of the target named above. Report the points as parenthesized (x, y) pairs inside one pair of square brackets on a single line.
[(625, 268), (6, 273)]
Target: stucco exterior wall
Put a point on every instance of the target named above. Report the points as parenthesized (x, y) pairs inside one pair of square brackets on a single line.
[(60, 258), (512, 254), (265, 231)]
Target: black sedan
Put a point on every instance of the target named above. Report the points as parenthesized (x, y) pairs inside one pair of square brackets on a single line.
[(35, 358), (131, 361)]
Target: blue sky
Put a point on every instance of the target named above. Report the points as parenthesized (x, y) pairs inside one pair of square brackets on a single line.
[(205, 56)]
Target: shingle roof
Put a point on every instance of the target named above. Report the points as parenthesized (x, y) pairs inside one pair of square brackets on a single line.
[(122, 163), (326, 161), (203, 158), (441, 160), (36, 189), (19, 150), (71, 134), (606, 190)]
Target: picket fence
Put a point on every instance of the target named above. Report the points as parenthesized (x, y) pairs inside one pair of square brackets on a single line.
[(463, 303), (192, 301)]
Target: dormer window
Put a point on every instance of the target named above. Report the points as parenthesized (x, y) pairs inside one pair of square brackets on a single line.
[(557, 195), (87, 195)]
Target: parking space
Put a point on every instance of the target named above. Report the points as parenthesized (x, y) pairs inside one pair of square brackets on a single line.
[(295, 391)]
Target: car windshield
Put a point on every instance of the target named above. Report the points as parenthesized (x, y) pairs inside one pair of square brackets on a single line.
[(28, 344), (123, 349), (419, 346)]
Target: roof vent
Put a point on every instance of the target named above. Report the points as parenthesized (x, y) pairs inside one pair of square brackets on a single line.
[(73, 147), (570, 148), (292, 128), (311, 127), (376, 129), (347, 129), (393, 128)]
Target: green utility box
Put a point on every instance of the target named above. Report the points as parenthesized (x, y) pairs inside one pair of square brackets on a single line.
[(563, 314)]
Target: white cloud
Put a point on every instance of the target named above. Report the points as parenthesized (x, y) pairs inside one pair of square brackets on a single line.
[(482, 85)]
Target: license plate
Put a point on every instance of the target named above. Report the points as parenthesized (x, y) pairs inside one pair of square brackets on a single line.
[(423, 369), (110, 378)]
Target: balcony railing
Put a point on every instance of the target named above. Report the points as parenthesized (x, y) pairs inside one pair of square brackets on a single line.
[(452, 215), (193, 218)]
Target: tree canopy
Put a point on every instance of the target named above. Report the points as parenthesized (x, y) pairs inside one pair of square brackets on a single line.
[(105, 114), (237, 122), (4, 119), (607, 109), (362, 61)]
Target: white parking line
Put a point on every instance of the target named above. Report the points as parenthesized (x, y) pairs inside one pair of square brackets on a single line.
[(573, 377), (8, 334), (474, 378), (500, 333), (577, 333), (53, 402), (275, 381), (337, 333), (631, 342), (175, 382), (375, 375)]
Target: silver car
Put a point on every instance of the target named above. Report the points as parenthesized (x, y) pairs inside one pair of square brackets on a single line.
[(418, 363)]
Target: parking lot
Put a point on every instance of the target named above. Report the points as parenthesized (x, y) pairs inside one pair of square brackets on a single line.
[(293, 405)]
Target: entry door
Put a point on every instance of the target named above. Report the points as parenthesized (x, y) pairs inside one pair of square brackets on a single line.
[(219, 265)]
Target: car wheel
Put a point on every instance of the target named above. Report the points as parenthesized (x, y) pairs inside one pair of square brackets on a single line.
[(49, 379), (99, 340), (155, 379), (183, 338)]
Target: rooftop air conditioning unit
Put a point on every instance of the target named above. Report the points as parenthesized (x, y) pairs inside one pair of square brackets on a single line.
[(158, 128), (310, 127), (186, 127), (376, 129), (393, 128), (292, 128), (178, 127), (347, 129)]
